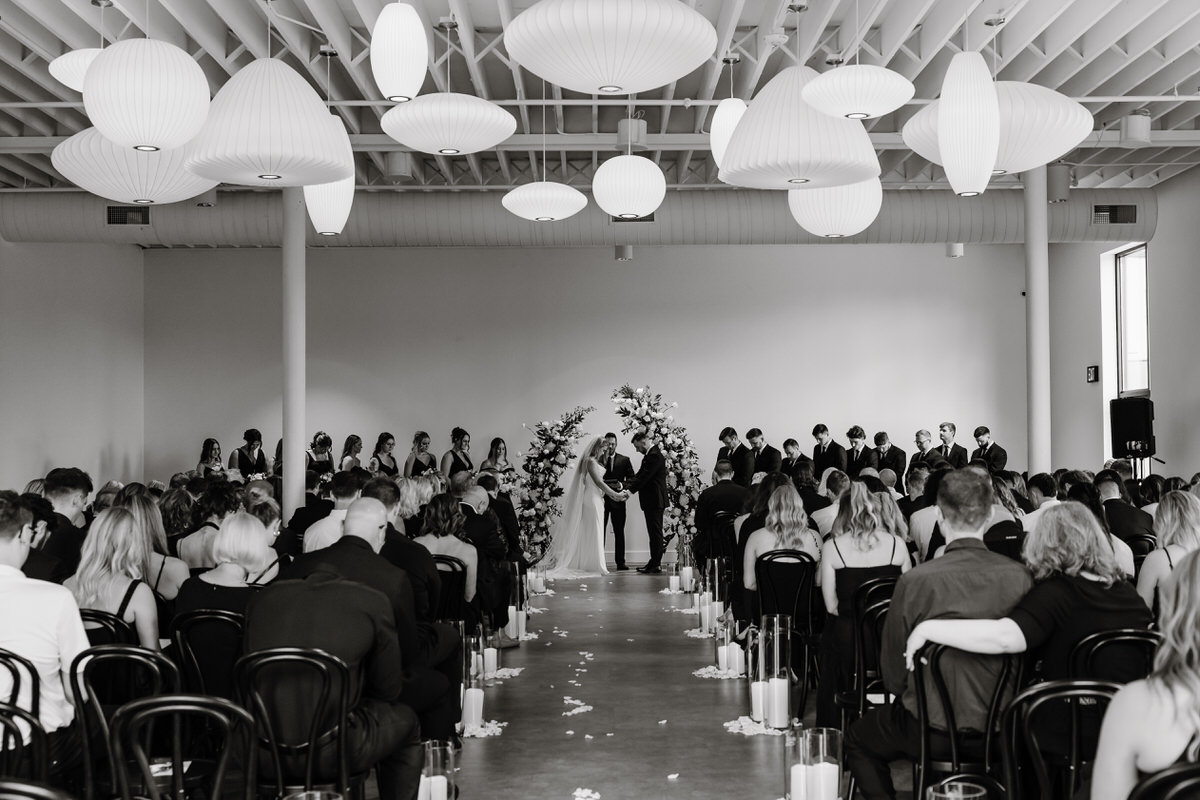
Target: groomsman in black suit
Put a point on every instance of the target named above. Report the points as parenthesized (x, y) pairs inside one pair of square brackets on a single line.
[(888, 456), (793, 457), (925, 452), (859, 456), (766, 457), (988, 451), (956, 454), (827, 453), (650, 485), (738, 454), (618, 472)]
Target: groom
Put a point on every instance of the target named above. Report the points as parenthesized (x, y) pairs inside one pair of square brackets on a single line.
[(650, 483)]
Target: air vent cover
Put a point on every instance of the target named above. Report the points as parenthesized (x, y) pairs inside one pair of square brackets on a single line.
[(128, 215), (647, 218), (1114, 215)]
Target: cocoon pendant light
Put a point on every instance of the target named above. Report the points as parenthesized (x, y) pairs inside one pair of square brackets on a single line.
[(544, 201), (448, 123), (725, 119), (329, 204), (399, 52), (858, 91), (610, 46), (837, 211), (629, 187), (71, 67), (783, 143), (125, 175), (145, 94), (968, 124), (267, 127)]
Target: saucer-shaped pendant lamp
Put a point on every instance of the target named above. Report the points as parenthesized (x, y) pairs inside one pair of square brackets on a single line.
[(858, 91), (837, 211), (629, 187), (146, 94), (125, 175), (783, 143), (71, 67), (329, 204), (449, 123), (610, 46), (399, 52), (267, 127), (727, 116), (968, 124), (545, 201)]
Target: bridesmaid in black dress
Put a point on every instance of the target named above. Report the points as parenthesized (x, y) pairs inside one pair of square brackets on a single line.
[(420, 460), (497, 460), (382, 465), (318, 457), (456, 459), (249, 459), (210, 459)]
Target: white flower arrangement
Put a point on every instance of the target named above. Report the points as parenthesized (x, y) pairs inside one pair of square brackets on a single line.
[(539, 490)]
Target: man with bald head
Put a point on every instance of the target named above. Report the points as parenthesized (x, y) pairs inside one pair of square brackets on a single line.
[(481, 527)]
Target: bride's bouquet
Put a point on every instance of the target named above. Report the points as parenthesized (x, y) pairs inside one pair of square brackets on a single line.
[(552, 449), (641, 409)]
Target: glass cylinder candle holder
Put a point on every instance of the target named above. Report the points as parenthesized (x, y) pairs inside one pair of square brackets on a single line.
[(776, 645), (437, 775), (813, 764), (718, 584), (721, 639), (473, 647), (537, 579), (491, 654), (758, 675), (472, 703), (705, 605), (673, 581)]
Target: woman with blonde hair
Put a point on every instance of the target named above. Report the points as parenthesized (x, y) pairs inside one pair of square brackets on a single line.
[(164, 573), (786, 528), (414, 494), (241, 549), (1154, 723), (112, 574), (890, 515), (1177, 523)]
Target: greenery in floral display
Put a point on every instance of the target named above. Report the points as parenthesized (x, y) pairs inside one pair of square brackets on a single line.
[(552, 449), (641, 409)]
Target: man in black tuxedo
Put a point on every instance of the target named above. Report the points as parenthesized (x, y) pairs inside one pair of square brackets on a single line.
[(888, 456), (988, 451), (402, 552), (482, 529), (1124, 519), (956, 454), (737, 454), (859, 456), (650, 485), (925, 452), (724, 495), (792, 458), (502, 507), (827, 453), (766, 458), (618, 472)]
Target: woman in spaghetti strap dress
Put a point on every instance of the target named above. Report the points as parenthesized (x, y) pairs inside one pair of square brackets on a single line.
[(112, 571), (1177, 524), (456, 459), (249, 459), (786, 528), (166, 573), (350, 451), (210, 459), (382, 464), (420, 461), (862, 550), (318, 457)]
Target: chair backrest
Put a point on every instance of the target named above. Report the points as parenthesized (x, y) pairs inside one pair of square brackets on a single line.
[(30, 790), (133, 732), (1093, 656), (871, 603), (300, 699), (1024, 752), (452, 605), (1006, 537), (995, 790), (15, 754), (787, 581), (21, 671), (724, 543), (105, 677), (106, 628), (1142, 545), (220, 634), (1180, 782)]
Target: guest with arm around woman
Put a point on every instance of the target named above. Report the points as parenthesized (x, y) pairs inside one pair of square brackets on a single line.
[(1177, 524), (441, 535), (210, 458), (382, 464), (1153, 724), (249, 459), (457, 458), (786, 529), (350, 452)]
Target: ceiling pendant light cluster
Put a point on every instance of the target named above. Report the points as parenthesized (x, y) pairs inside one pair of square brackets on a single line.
[(125, 175), (399, 52)]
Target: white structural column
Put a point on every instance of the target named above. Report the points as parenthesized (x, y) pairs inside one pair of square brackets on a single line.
[(294, 350), (1037, 319)]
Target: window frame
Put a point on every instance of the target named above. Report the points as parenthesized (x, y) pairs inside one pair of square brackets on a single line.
[(1120, 306)]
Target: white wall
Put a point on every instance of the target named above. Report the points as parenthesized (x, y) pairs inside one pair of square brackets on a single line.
[(71, 389)]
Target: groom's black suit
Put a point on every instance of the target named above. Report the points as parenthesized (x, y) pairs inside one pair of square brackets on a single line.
[(618, 471), (650, 484)]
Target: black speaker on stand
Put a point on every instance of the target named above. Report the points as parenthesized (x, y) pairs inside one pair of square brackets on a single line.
[(1132, 426)]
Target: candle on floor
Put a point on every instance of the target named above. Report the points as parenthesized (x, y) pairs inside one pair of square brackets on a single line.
[(439, 788), (521, 624), (674, 583), (423, 788), (510, 629), (717, 609), (472, 709), (737, 659), (823, 781), (705, 611), (687, 576), (477, 664), (723, 658), (798, 782), (491, 660), (758, 692), (777, 703)]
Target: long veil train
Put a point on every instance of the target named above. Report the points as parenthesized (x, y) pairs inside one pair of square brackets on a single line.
[(577, 538)]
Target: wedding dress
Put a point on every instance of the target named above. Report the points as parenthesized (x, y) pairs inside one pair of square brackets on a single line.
[(577, 538)]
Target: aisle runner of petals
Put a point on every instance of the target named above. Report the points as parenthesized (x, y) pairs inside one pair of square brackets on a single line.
[(492, 728), (717, 673), (748, 727)]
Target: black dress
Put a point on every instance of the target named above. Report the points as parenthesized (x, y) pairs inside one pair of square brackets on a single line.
[(384, 469), (458, 464), (216, 651), (248, 466), (320, 466), (419, 467)]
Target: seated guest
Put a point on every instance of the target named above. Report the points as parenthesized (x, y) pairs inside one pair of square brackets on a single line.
[(737, 454), (805, 481), (1152, 491), (402, 552), (219, 501), (1016, 484), (175, 506), (1178, 526), (968, 581), (112, 575), (461, 482), (355, 623), (316, 507), (105, 496), (210, 459), (990, 453), (345, 488), (1154, 724), (859, 456), (1124, 519), (41, 623), (889, 479), (39, 564), (442, 535), (828, 453), (837, 483), (267, 512), (723, 496), (504, 511), (167, 573), (888, 456), (414, 494), (1043, 495), (482, 529), (915, 499), (1087, 494), (1131, 494), (766, 458), (67, 489), (786, 528), (889, 515), (793, 457), (922, 523), (860, 551)]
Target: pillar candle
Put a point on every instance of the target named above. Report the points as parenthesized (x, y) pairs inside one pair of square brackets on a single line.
[(824, 781), (511, 628), (472, 710), (491, 660), (758, 690), (439, 788), (520, 624), (704, 612), (777, 703), (798, 784), (423, 789), (686, 577), (674, 583), (723, 658), (737, 659), (477, 664)]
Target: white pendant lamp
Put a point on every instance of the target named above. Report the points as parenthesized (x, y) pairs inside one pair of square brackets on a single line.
[(610, 46), (783, 143), (968, 124), (399, 52), (449, 123), (629, 187), (329, 204), (146, 94), (267, 127), (837, 211), (858, 91), (71, 67), (725, 119), (544, 201), (125, 175)]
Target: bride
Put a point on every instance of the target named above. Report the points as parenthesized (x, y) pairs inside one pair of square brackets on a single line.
[(577, 539)]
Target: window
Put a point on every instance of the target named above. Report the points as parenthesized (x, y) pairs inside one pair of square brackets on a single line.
[(1133, 347)]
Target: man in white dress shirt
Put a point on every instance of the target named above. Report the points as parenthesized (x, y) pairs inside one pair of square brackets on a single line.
[(345, 488), (1043, 493)]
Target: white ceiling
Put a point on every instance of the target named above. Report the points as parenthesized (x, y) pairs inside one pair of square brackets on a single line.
[(1115, 56)]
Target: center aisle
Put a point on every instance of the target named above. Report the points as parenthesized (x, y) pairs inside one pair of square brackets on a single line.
[(639, 673)]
